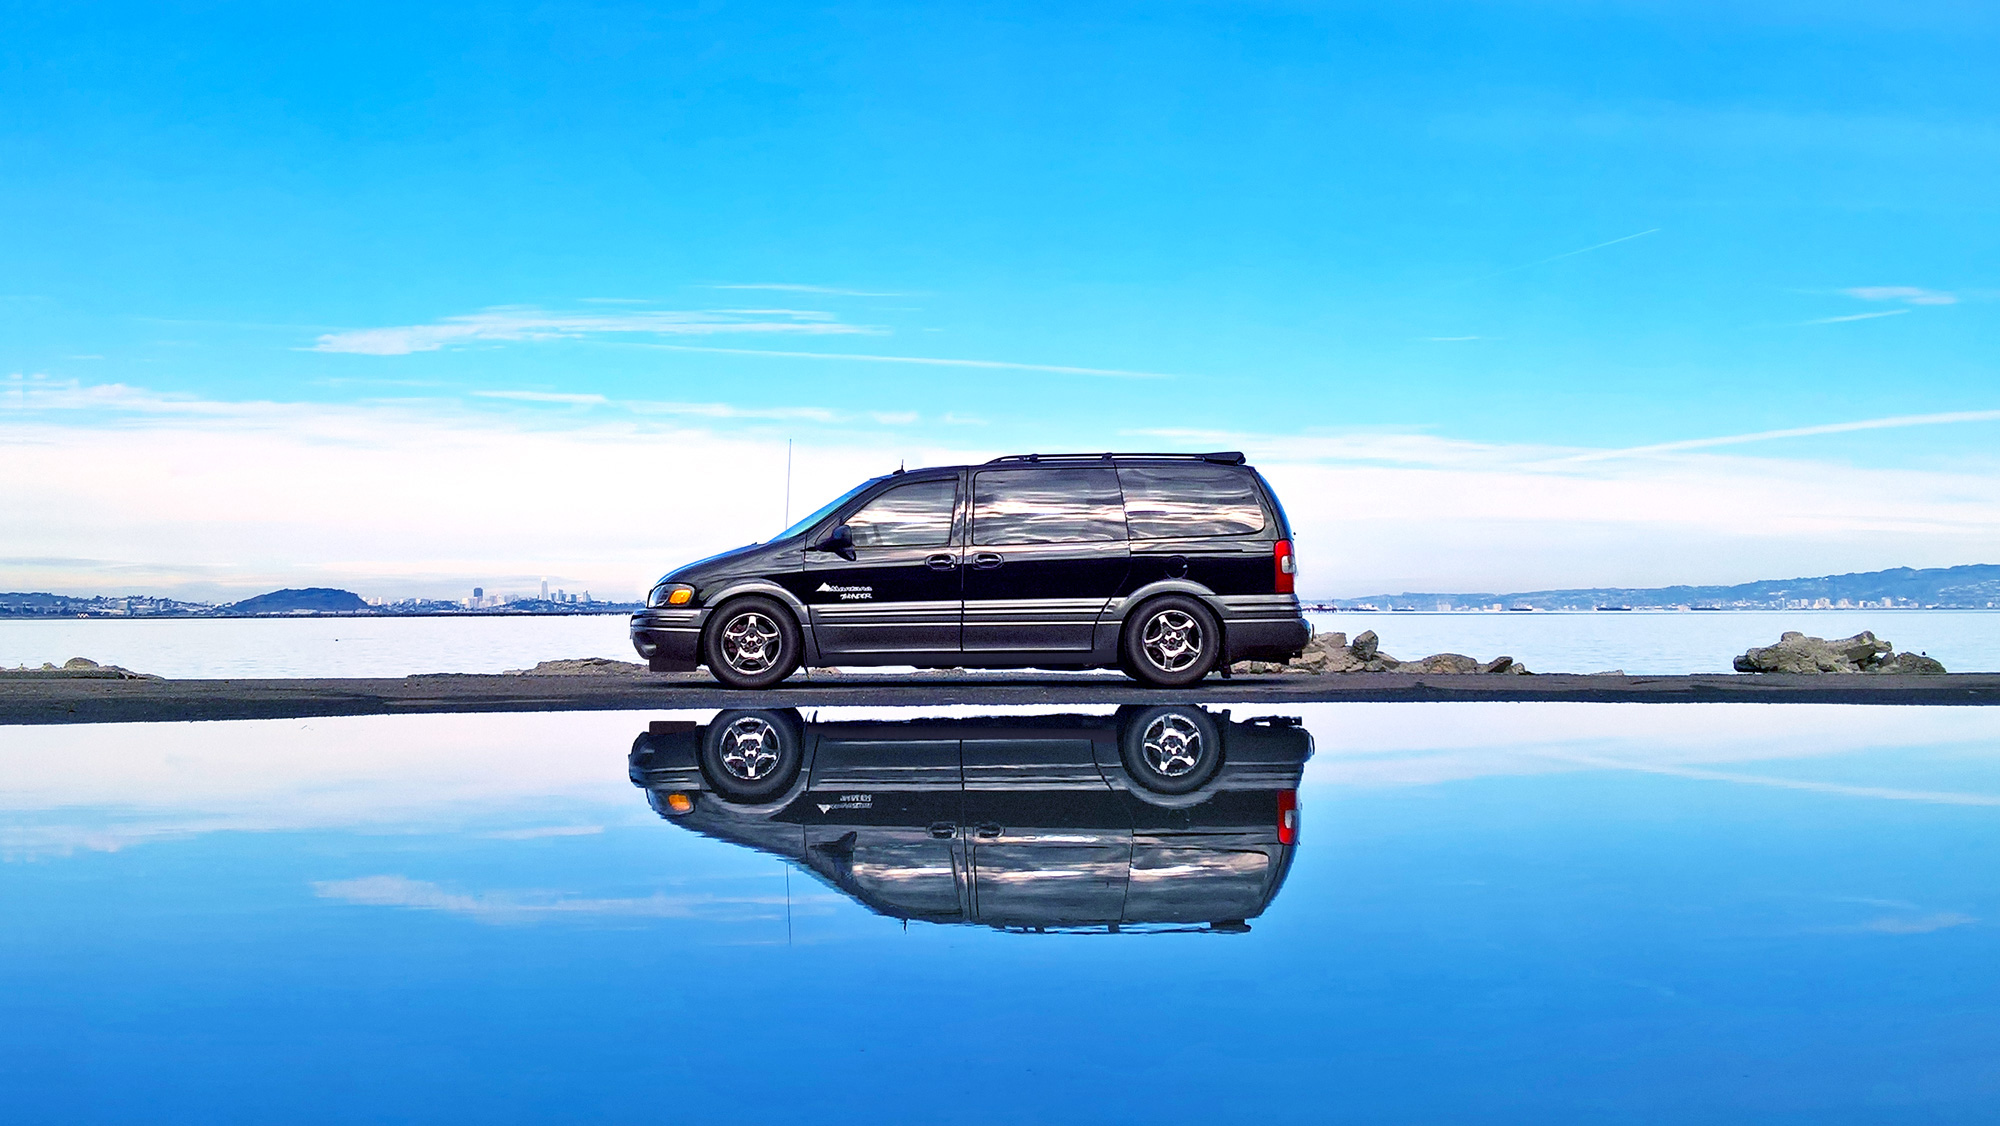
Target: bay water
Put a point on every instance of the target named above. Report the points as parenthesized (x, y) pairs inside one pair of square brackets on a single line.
[(1636, 642)]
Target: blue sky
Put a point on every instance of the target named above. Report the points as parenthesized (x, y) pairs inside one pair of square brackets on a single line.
[(1314, 231)]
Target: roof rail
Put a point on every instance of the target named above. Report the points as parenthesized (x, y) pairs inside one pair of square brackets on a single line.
[(1221, 457)]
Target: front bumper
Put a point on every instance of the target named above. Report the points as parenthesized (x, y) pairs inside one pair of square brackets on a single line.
[(669, 639)]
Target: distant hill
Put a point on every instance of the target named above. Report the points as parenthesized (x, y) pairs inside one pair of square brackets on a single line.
[(313, 599), (1974, 586)]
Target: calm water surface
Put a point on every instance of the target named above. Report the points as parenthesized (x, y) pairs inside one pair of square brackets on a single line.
[(1966, 641), (1493, 912)]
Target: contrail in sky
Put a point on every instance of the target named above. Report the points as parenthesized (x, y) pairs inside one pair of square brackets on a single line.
[(1892, 423), (1113, 373), (1856, 317), (1556, 257)]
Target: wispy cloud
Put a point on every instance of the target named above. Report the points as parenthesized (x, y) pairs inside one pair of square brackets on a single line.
[(1885, 793), (931, 361), (1894, 422), (538, 906), (544, 397), (1451, 339), (540, 832), (528, 324), (1855, 317), (787, 287), (1922, 924), (1907, 294)]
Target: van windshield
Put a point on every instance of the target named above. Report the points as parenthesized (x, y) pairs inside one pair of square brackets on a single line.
[(824, 512)]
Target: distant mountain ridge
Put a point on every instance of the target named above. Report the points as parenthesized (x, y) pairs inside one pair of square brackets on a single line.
[(312, 599), (1968, 587)]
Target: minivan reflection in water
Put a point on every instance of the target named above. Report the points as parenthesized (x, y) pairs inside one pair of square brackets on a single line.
[(1160, 817)]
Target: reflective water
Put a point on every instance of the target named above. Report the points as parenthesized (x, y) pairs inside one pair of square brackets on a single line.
[(1492, 912), (1965, 640)]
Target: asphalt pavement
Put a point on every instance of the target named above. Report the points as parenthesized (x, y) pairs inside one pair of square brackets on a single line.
[(91, 700)]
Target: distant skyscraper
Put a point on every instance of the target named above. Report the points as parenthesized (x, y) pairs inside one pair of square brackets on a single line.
[(545, 590), (479, 592)]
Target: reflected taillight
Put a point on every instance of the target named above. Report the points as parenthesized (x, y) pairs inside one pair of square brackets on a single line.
[(1288, 817), (1286, 565)]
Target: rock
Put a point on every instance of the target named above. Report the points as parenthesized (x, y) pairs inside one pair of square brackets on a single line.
[(1498, 665), (1911, 664), (582, 666), (1862, 653), (1457, 663), (77, 668), (1365, 646)]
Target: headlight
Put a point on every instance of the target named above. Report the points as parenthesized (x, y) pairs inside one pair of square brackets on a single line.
[(670, 594)]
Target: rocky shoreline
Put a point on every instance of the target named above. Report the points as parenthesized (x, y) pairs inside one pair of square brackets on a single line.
[(1331, 653)]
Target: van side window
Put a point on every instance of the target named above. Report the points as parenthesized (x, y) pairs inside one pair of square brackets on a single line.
[(914, 515), (1046, 506), (1165, 501)]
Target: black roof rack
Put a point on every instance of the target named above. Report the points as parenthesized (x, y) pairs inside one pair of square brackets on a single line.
[(1222, 457)]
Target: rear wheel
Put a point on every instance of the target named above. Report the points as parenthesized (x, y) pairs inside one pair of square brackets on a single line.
[(1171, 642), (752, 643), (1170, 750)]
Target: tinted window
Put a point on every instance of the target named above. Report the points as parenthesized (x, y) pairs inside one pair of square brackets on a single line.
[(913, 515), (1046, 506), (1189, 500)]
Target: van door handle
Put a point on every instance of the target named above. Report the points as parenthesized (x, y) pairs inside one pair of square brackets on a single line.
[(943, 830), (941, 562), (988, 831), (986, 560)]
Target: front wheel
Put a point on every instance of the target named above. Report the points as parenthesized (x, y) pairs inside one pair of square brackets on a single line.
[(1171, 642), (752, 642)]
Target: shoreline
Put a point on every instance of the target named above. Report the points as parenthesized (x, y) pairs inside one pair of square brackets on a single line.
[(37, 701)]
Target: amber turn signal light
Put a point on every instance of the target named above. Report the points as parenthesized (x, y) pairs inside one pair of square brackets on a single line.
[(679, 803), (680, 597)]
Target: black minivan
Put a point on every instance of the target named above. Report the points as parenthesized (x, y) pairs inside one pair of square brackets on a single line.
[(1167, 566)]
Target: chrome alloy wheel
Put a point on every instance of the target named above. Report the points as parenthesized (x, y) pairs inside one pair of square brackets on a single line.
[(1172, 640), (751, 642), (1172, 746), (750, 749)]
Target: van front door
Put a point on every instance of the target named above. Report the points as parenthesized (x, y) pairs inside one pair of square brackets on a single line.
[(901, 591)]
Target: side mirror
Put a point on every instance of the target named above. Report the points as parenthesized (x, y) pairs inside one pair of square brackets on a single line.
[(840, 541)]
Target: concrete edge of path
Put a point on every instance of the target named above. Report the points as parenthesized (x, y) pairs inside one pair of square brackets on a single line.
[(46, 701)]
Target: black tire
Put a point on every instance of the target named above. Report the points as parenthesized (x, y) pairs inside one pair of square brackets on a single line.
[(1170, 749), (1170, 642), (752, 756), (752, 642)]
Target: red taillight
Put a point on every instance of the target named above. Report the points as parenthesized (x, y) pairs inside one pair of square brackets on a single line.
[(1281, 558), (1288, 817)]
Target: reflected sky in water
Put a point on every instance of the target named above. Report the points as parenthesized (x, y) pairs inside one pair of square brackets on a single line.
[(1504, 912)]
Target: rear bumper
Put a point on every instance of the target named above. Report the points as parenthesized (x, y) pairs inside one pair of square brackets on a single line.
[(1265, 639), (1263, 627), (669, 640)]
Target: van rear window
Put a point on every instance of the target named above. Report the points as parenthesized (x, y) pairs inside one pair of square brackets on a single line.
[(1170, 501)]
